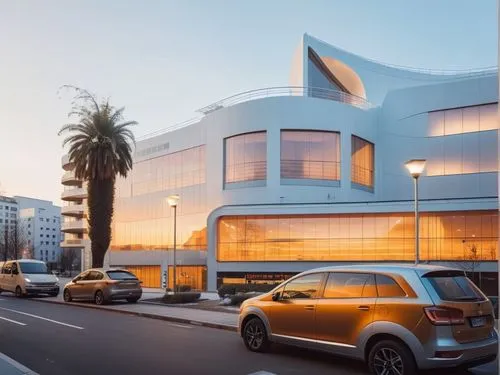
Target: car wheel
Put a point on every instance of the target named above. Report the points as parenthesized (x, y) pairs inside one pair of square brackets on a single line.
[(19, 292), (391, 358), (99, 298), (255, 336), (132, 300), (67, 295)]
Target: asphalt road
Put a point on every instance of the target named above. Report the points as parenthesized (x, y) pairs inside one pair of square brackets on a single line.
[(69, 340)]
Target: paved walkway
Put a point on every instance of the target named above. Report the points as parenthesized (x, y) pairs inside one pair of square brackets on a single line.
[(10, 367)]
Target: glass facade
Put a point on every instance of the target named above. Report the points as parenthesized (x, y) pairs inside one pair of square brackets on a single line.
[(463, 120), (362, 162), (310, 155), (193, 276), (358, 237), (245, 158), (143, 220), (463, 140), (149, 275)]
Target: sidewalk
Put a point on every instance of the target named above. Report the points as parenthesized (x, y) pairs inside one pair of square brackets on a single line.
[(10, 367)]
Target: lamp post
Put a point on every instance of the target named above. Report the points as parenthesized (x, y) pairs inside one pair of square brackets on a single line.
[(173, 200), (416, 167)]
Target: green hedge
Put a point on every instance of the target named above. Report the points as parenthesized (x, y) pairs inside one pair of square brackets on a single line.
[(181, 297), (233, 289)]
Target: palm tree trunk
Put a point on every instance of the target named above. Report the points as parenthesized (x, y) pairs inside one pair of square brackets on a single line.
[(101, 195)]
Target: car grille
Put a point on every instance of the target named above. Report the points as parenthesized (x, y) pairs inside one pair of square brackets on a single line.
[(43, 284)]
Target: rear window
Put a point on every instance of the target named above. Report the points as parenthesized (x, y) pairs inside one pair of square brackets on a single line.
[(455, 288), (121, 275)]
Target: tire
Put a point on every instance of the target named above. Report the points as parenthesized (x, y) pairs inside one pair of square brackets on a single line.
[(99, 298), (132, 300), (67, 296), (19, 292), (255, 336), (388, 355)]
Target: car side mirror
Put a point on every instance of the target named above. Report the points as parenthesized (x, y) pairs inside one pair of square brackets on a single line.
[(276, 296), (75, 280)]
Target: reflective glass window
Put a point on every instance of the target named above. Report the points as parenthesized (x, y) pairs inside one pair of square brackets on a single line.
[(303, 287), (362, 162), (310, 155), (245, 157), (388, 287), (349, 285)]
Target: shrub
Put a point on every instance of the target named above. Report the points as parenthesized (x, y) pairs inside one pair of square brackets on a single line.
[(238, 299), (233, 289), (181, 297), (180, 288)]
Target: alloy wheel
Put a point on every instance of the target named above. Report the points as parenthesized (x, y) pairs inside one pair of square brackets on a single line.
[(67, 295), (254, 335), (99, 298), (388, 362), (19, 292)]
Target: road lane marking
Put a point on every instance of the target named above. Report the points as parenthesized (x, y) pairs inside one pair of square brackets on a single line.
[(179, 325), (262, 373), (42, 318), (12, 321)]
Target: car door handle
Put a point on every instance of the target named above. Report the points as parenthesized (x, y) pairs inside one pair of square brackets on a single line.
[(309, 307), (364, 308)]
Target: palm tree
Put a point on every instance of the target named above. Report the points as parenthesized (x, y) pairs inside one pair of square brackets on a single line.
[(100, 148)]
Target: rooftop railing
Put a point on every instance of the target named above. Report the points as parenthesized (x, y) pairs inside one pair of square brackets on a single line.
[(314, 92)]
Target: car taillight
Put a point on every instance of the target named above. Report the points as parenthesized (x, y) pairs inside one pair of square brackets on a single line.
[(444, 316)]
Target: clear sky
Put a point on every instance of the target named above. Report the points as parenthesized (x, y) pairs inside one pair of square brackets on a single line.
[(162, 60)]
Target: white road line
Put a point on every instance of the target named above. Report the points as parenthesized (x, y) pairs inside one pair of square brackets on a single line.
[(179, 325), (41, 317), (12, 321), (262, 373)]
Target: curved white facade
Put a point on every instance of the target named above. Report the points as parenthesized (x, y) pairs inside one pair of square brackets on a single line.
[(445, 119)]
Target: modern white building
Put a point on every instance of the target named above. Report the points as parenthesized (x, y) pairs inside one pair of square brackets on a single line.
[(9, 214), (279, 180), (41, 225)]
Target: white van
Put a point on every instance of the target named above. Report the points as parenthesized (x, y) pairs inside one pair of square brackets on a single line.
[(27, 276)]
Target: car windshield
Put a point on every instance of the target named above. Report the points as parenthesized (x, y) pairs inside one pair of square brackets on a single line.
[(30, 268), (121, 275), (455, 288)]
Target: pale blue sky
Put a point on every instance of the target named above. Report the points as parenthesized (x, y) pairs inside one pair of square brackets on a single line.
[(164, 59)]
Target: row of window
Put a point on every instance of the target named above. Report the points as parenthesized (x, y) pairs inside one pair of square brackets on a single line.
[(463, 120), (305, 155), (12, 208), (465, 236), (48, 236), (342, 285)]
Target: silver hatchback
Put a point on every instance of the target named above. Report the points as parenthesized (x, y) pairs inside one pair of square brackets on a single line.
[(103, 286)]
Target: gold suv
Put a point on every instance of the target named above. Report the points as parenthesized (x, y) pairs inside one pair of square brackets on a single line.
[(396, 318)]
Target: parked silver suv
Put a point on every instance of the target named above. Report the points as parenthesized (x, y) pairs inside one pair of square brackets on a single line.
[(396, 318)]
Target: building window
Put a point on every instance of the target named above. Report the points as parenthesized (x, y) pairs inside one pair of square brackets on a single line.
[(53, 243), (463, 120), (1, 221), (41, 228), (362, 162), (29, 225), (245, 158), (463, 153), (445, 236), (312, 155), (29, 233), (48, 236), (47, 242), (41, 235), (13, 208)]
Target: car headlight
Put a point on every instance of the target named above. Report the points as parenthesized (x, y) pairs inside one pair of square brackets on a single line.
[(27, 280)]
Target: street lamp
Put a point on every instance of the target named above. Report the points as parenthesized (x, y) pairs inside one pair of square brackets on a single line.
[(416, 167), (173, 200)]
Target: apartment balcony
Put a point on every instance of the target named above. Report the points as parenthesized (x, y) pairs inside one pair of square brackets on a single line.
[(73, 243), (66, 164), (69, 179), (74, 194), (77, 226), (76, 210)]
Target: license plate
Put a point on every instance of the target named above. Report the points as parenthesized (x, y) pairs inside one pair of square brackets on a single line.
[(478, 321)]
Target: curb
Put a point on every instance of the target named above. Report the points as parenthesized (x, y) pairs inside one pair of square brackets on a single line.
[(146, 315), (18, 366)]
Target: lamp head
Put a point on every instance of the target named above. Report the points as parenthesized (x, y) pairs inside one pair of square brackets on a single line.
[(173, 200), (415, 167)]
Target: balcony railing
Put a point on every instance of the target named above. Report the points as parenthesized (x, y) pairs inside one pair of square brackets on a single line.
[(74, 210), (68, 178), (314, 92), (77, 226), (74, 194), (70, 243)]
